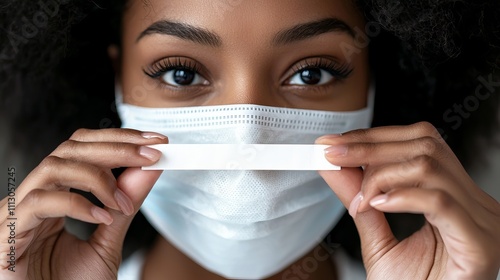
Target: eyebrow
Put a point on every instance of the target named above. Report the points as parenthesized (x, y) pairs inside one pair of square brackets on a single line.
[(205, 37), (310, 29), (183, 31)]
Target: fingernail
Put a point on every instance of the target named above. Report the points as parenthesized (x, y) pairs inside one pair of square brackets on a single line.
[(353, 207), (153, 135), (379, 199), (101, 215), (326, 137), (336, 151), (124, 202), (149, 153)]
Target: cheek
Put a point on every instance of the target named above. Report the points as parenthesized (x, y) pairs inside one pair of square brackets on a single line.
[(137, 88)]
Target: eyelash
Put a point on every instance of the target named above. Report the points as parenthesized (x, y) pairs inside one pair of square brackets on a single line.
[(166, 64), (339, 71)]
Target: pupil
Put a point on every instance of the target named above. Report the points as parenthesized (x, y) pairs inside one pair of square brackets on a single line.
[(311, 76), (183, 77)]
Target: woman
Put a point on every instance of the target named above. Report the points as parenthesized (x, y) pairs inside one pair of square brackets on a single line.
[(321, 58)]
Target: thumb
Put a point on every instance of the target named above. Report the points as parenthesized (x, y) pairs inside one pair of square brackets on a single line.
[(374, 230), (345, 183), (136, 184)]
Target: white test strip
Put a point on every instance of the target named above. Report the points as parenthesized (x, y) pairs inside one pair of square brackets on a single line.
[(241, 157)]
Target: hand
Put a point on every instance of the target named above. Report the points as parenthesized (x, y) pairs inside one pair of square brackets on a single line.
[(43, 248), (411, 169)]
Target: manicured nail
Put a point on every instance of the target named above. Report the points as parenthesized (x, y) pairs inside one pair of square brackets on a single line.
[(336, 151), (149, 153), (331, 136), (124, 202), (153, 135), (379, 199), (101, 215), (326, 137), (353, 207)]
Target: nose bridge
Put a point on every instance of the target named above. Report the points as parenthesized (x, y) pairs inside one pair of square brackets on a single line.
[(247, 83), (250, 89)]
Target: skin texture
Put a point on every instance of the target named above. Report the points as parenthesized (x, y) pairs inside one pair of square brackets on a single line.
[(460, 237), (44, 250), (421, 176), (246, 68)]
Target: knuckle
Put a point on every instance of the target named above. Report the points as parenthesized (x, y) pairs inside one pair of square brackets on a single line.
[(363, 150), (80, 134), (72, 202), (375, 177), (441, 201), (377, 181), (359, 135), (428, 145), (49, 164), (65, 148), (425, 164), (122, 149), (34, 197), (426, 129), (100, 173), (103, 175), (360, 150)]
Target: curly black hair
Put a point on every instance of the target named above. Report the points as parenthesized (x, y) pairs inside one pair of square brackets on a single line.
[(434, 60)]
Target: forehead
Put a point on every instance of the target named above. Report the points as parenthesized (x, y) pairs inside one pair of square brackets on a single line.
[(253, 19)]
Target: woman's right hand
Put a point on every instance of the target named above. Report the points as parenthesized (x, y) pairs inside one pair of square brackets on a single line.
[(43, 249)]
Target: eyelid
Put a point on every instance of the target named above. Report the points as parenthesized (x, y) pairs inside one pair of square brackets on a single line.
[(339, 70), (161, 66)]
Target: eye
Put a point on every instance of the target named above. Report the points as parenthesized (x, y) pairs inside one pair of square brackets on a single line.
[(311, 76), (183, 77), (317, 71), (177, 72)]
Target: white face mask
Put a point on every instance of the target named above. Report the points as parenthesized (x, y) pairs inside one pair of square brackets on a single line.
[(242, 224)]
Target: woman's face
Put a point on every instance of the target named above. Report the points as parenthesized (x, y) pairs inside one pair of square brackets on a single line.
[(283, 53)]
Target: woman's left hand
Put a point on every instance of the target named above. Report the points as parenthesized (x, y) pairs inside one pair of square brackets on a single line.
[(411, 169)]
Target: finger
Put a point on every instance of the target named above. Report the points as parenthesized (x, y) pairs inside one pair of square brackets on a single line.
[(468, 245), (420, 172), (56, 173), (39, 205), (373, 228), (108, 155), (382, 134), (439, 208), (345, 183), (136, 184), (364, 154), (122, 135)]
